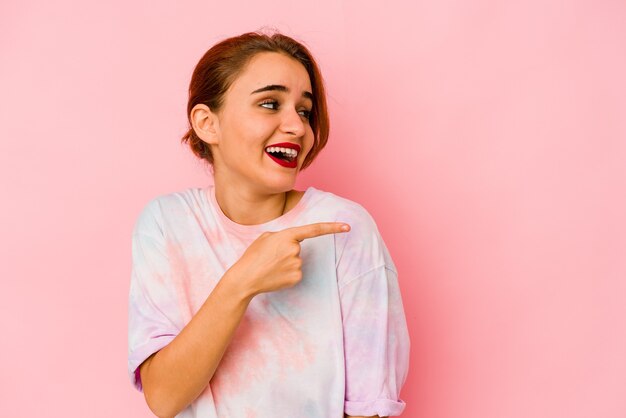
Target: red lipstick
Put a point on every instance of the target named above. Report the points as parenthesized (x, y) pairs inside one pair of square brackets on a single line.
[(284, 163), (286, 145)]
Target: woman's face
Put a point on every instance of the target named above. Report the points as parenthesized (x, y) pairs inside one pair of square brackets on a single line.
[(251, 120)]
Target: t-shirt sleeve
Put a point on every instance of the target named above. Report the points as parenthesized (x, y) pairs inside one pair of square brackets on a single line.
[(376, 338), (152, 308)]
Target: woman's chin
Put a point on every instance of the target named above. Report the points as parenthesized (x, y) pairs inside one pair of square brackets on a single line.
[(280, 184)]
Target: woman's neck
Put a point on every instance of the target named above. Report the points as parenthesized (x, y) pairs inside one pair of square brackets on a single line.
[(248, 208)]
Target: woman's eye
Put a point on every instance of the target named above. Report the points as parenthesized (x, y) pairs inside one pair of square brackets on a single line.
[(269, 102), (306, 113)]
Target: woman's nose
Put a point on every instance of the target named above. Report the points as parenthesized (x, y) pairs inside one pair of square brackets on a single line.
[(292, 122)]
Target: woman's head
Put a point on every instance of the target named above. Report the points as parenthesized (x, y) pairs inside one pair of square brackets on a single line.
[(224, 114)]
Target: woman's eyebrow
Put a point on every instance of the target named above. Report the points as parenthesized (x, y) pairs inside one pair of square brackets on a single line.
[(278, 87)]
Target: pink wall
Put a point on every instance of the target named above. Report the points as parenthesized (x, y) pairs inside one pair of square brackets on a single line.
[(488, 140)]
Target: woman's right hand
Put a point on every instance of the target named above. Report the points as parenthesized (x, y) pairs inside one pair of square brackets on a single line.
[(272, 262)]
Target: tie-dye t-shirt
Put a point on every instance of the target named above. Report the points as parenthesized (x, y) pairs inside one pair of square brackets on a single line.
[(335, 342)]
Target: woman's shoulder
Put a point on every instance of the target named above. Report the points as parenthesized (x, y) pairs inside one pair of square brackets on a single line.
[(363, 227), (151, 217), (342, 206), (363, 247)]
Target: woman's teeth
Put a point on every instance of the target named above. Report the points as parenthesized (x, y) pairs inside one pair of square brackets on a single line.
[(289, 153)]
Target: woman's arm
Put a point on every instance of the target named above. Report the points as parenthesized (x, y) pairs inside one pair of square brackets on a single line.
[(176, 375)]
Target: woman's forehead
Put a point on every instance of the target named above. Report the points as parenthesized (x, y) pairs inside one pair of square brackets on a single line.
[(271, 68)]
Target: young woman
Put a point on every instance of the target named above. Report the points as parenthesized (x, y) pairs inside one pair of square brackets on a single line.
[(247, 297)]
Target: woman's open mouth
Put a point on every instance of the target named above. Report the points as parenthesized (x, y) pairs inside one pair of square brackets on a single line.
[(287, 157)]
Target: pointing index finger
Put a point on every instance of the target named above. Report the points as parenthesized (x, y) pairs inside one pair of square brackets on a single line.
[(303, 232)]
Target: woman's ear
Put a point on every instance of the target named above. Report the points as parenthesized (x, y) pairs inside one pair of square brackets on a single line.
[(205, 123)]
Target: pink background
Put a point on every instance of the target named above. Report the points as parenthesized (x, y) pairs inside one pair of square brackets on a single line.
[(487, 139)]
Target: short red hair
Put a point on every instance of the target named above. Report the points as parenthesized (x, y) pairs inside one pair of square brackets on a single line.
[(220, 66)]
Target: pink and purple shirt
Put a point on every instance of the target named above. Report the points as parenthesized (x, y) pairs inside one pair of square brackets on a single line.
[(337, 342)]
